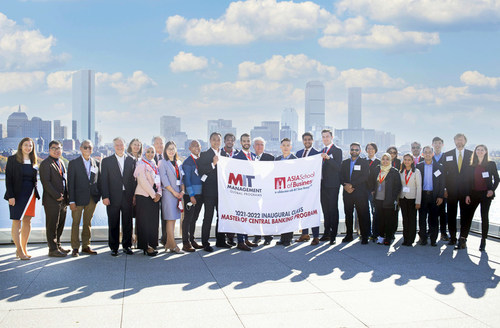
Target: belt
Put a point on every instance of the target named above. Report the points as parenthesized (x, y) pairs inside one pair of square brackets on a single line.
[(428, 192)]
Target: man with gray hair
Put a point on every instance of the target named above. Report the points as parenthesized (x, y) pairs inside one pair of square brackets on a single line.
[(118, 187)]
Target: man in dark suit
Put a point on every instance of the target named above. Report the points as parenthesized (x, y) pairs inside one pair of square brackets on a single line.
[(207, 166), (245, 155), (371, 151), (307, 140), (437, 145), (354, 173), (330, 185), (259, 145), (229, 151), (457, 184), (118, 187), (53, 176), (432, 196), (84, 193), (159, 144)]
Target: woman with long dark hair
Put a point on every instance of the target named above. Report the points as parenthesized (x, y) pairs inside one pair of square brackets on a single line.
[(395, 161), (20, 181), (484, 178)]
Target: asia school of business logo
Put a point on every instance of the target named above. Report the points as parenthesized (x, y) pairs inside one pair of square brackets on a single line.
[(294, 181), (240, 183)]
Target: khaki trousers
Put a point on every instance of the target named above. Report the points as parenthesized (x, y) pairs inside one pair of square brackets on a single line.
[(88, 213)]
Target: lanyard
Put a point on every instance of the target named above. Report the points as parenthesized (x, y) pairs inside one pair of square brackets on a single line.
[(177, 172), (327, 150), (194, 160), (380, 179), (371, 162), (59, 167), (155, 170), (249, 156), (407, 178)]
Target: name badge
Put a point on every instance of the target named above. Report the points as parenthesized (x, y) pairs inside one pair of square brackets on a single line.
[(449, 158), (93, 169), (379, 187), (486, 174), (157, 179), (204, 177), (331, 156), (357, 167), (196, 171), (178, 182), (406, 189), (437, 173)]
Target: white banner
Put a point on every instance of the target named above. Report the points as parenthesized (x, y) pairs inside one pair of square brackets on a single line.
[(269, 198)]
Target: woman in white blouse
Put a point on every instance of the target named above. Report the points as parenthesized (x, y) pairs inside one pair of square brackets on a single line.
[(410, 198)]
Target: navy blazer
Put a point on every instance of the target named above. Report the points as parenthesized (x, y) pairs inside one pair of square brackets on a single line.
[(14, 178), (373, 164), (311, 152), (265, 157), (359, 178), (113, 181), (457, 184), (209, 187), (241, 155), (80, 187), (331, 168), (280, 157), (437, 181)]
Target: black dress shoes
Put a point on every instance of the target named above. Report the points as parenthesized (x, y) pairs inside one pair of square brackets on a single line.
[(208, 249), (114, 253), (223, 245), (423, 242), (332, 241), (128, 251), (324, 238), (347, 239), (433, 243), (230, 241), (462, 244), (364, 241), (452, 241)]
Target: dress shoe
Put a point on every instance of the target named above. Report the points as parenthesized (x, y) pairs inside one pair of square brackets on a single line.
[(150, 253), (196, 245), (302, 238), (208, 249), (286, 243), (347, 239), (128, 251), (267, 242), (482, 246), (187, 248), (324, 238), (315, 241), (462, 244), (256, 241), (243, 247), (89, 251), (114, 253), (250, 244), (444, 237), (452, 241), (223, 245), (423, 242), (63, 250), (433, 244), (364, 241), (332, 241), (279, 243), (230, 241), (74, 253), (57, 253)]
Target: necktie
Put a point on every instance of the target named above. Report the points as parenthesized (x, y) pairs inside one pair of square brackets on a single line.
[(459, 161), (258, 158), (305, 153), (159, 157)]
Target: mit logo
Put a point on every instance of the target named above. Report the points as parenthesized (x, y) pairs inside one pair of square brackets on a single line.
[(240, 179), (279, 183)]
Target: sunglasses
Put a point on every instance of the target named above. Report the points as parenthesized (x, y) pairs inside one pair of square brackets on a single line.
[(86, 147), (354, 149)]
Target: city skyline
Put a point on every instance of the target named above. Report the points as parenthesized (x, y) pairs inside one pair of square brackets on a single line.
[(152, 59)]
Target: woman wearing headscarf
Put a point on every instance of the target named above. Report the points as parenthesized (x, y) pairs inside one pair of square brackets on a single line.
[(386, 185), (147, 195)]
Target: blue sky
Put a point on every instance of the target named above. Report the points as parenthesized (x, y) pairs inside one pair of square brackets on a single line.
[(426, 68)]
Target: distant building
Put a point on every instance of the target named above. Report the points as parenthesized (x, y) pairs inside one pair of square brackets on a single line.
[(170, 126), (261, 131), (287, 132), (221, 126), (274, 127), (354, 108), (60, 131), (74, 130), (16, 124), (290, 119), (68, 145), (1, 131), (83, 84), (19, 126), (314, 106), (180, 139)]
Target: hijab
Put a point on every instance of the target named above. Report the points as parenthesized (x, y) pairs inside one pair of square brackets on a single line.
[(385, 169)]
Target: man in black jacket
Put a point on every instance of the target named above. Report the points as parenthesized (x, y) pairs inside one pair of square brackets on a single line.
[(84, 194)]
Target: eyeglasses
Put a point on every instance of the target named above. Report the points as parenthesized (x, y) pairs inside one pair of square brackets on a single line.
[(55, 148), (393, 152), (150, 151), (87, 147), (415, 147), (354, 149)]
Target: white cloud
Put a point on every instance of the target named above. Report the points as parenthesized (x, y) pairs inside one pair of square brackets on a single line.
[(442, 12), (60, 80), (20, 81), (419, 95), (187, 62), (139, 80), (247, 90), (369, 77), (247, 21), (475, 78), (22, 48)]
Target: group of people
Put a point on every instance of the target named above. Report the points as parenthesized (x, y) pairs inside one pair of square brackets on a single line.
[(152, 185)]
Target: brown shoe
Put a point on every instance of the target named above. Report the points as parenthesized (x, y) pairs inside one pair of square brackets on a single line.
[(302, 238), (89, 251), (249, 243), (243, 247), (63, 250), (196, 245), (187, 248), (57, 253), (74, 253), (315, 242)]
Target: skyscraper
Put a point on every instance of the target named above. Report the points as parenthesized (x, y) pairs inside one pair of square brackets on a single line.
[(83, 105), (170, 126), (274, 128), (60, 131), (315, 106), (290, 119), (354, 108), (221, 126)]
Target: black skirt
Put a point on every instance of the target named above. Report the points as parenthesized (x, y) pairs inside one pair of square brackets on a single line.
[(147, 219)]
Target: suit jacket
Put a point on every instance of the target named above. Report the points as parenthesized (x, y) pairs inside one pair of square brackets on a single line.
[(14, 178), (280, 157), (52, 181), (331, 168), (241, 155), (223, 152), (457, 184), (392, 185), (437, 181), (311, 152), (491, 181), (80, 187), (372, 164), (209, 187), (112, 181), (265, 157), (359, 178), (441, 160), (396, 163)]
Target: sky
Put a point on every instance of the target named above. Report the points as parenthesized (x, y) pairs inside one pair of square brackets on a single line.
[(427, 68)]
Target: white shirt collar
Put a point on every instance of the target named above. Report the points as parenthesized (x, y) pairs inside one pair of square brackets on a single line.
[(196, 157)]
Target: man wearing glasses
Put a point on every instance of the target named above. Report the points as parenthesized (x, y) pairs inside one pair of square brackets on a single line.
[(84, 193), (55, 198), (354, 173)]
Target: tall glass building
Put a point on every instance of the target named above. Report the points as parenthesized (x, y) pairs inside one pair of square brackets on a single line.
[(84, 105)]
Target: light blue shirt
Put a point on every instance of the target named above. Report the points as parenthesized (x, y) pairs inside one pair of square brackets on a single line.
[(438, 157), (352, 166), (88, 165), (427, 177), (285, 158)]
